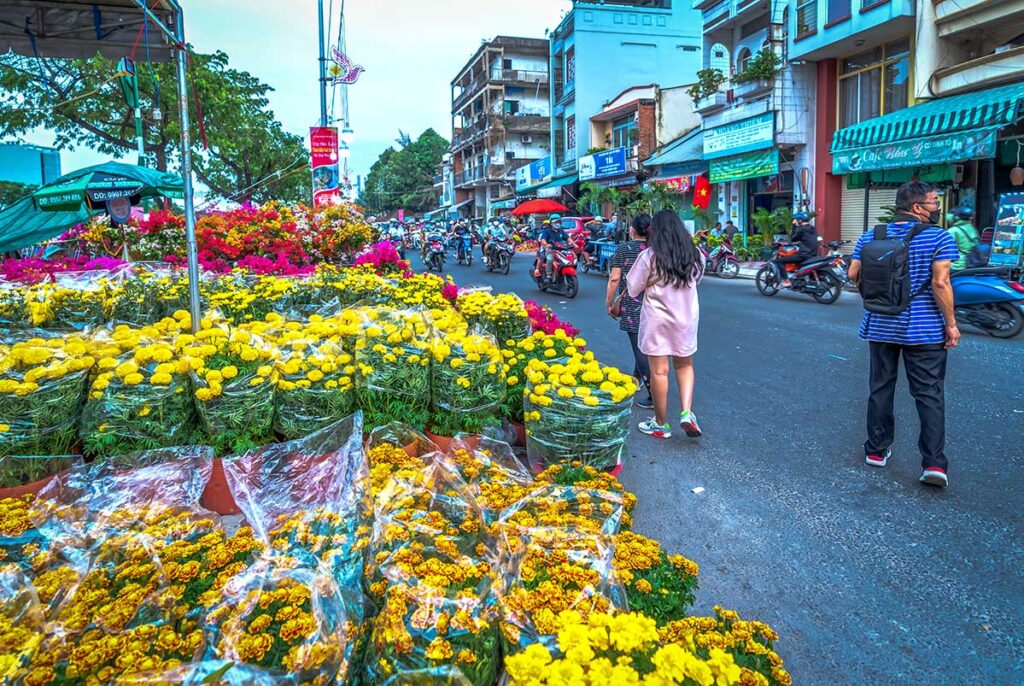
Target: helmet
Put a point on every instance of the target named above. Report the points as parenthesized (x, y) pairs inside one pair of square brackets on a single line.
[(598, 218), (800, 216), (555, 216), (963, 212)]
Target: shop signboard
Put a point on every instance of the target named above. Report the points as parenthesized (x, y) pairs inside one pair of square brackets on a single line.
[(677, 184), (323, 144), (533, 173), (1008, 236), (745, 135), (951, 147), (603, 164), (748, 166)]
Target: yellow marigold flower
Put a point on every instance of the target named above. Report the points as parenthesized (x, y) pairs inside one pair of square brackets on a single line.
[(4, 428), (134, 379), (229, 372), (161, 379)]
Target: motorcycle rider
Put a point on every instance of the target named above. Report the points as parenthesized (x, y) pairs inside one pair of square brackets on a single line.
[(805, 237), (461, 231), (599, 231), (498, 234), (552, 235), (396, 233), (961, 228)]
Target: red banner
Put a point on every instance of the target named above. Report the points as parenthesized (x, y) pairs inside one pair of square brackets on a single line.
[(679, 184), (323, 145)]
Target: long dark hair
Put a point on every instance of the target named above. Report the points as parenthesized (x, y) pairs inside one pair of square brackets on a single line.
[(642, 225), (676, 258)]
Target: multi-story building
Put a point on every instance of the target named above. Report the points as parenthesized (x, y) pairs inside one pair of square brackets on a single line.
[(909, 89), (604, 47), (500, 121), (758, 124), (33, 165)]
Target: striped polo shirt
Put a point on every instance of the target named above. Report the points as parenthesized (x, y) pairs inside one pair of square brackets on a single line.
[(921, 323)]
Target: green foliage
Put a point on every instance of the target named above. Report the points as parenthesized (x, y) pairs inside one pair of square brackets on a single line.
[(11, 192), (762, 66), (403, 179), (80, 102), (703, 219), (888, 214), (708, 83), (765, 222)]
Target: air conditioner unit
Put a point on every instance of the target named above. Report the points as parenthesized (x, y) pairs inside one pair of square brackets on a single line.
[(526, 138)]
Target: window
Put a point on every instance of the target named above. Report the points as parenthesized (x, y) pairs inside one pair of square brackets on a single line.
[(806, 18), (742, 60), (570, 134), (874, 82), (625, 132), (838, 10), (512, 107), (785, 35), (719, 58), (510, 154), (570, 65), (506, 64)]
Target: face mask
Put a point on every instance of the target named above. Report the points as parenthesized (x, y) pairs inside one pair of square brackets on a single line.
[(933, 216)]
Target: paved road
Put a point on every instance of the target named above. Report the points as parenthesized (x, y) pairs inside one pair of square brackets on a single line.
[(868, 576)]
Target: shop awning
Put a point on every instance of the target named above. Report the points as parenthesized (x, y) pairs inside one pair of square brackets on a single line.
[(553, 188), (688, 148), (951, 129), (504, 204), (431, 214)]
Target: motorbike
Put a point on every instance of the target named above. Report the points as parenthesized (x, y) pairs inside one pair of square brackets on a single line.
[(435, 254), (565, 282), (500, 258), (721, 260), (989, 299), (464, 250), (399, 245), (822, 278)]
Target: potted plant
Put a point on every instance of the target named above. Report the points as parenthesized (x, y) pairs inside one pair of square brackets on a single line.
[(765, 223), (709, 81), (763, 67)]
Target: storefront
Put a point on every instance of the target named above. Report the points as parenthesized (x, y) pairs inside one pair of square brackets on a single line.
[(963, 144), (677, 166)]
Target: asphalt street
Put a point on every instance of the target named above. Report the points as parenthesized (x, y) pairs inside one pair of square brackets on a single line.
[(868, 576)]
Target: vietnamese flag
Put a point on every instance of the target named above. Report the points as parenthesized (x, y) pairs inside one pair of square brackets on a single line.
[(702, 193)]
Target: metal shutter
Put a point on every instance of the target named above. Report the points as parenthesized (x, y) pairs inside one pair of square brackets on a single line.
[(852, 222)]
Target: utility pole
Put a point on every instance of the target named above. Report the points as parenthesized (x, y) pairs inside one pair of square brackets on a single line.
[(323, 66)]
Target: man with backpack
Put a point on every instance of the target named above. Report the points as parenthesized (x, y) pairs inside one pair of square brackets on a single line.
[(902, 272)]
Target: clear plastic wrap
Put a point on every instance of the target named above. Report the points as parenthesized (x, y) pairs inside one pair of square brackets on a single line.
[(307, 499), (396, 449), (42, 388), (535, 349), (77, 300), (316, 386), (205, 673), (492, 472), (580, 510), (140, 400), (289, 621), (22, 624), (14, 309), (467, 382), (234, 388), (393, 359), (554, 570), (577, 411), (141, 297)]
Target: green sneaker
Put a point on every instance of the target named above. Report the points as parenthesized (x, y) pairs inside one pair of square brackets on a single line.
[(651, 427), (688, 423)]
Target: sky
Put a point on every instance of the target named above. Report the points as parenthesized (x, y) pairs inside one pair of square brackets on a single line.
[(411, 49)]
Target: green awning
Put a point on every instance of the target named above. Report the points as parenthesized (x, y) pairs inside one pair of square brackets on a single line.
[(969, 112), (22, 225), (687, 148), (93, 186), (558, 183)]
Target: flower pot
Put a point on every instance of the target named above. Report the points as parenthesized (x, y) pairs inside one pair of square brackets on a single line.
[(444, 443), (520, 433), (28, 489), (217, 496)]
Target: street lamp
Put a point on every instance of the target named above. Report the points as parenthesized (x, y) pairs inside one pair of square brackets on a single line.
[(347, 135), (344, 152)]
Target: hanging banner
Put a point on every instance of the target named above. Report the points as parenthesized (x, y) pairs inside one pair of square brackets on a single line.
[(323, 145), (753, 133), (678, 184), (749, 166), (949, 147)]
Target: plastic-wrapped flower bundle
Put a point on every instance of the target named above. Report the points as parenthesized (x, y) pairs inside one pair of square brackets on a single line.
[(659, 585), (584, 476), (578, 410), (393, 361), (421, 290), (14, 311), (316, 386), (492, 472), (75, 302), (361, 286), (234, 379), (567, 508), (241, 298), (467, 380), (503, 316), (42, 383), (147, 297), (140, 401), (517, 356)]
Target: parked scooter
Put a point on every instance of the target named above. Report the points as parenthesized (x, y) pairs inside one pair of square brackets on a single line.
[(822, 278), (436, 253), (720, 260), (989, 299), (500, 258), (565, 282)]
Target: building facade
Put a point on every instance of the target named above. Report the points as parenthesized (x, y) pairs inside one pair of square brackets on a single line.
[(500, 121), (33, 165), (758, 125), (601, 49)]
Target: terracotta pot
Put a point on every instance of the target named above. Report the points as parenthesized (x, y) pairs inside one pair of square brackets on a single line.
[(520, 431), (444, 443), (29, 488), (217, 496)]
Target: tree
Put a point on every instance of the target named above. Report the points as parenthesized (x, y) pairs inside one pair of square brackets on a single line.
[(11, 192), (404, 178), (80, 101)]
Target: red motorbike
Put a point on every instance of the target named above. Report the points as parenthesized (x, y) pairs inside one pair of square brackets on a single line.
[(565, 282), (721, 260)]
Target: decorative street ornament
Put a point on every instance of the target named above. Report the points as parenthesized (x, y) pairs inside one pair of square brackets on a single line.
[(342, 69)]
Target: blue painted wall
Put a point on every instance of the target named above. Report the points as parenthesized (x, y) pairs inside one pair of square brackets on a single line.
[(859, 25), (618, 47)]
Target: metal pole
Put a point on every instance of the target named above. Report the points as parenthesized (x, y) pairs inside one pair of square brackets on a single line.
[(323, 66), (186, 175), (138, 125)]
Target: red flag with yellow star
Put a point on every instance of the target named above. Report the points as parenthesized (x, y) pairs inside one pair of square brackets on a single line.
[(702, 193)]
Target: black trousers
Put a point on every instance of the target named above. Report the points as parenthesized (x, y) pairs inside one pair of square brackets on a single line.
[(926, 373), (641, 367)]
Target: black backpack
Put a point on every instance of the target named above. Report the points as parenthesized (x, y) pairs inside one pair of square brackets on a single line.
[(885, 271)]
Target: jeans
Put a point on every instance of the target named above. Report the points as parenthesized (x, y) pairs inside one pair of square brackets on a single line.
[(926, 372), (641, 367)]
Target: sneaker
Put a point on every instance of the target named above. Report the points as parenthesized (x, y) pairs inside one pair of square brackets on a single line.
[(879, 460), (647, 404), (688, 423), (652, 428), (934, 476)]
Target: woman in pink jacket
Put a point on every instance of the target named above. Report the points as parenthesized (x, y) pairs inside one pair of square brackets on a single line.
[(667, 274)]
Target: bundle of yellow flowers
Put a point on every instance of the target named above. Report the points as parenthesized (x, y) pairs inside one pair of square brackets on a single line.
[(392, 359), (659, 585), (316, 387), (69, 306), (467, 380), (585, 476), (518, 354), (41, 384), (577, 410), (503, 316)]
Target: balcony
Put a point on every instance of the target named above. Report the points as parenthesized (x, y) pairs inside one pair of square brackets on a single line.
[(526, 123), (991, 70), (752, 89), (711, 103), (472, 132), (470, 177), (727, 13), (973, 16), (508, 77), (565, 93)]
